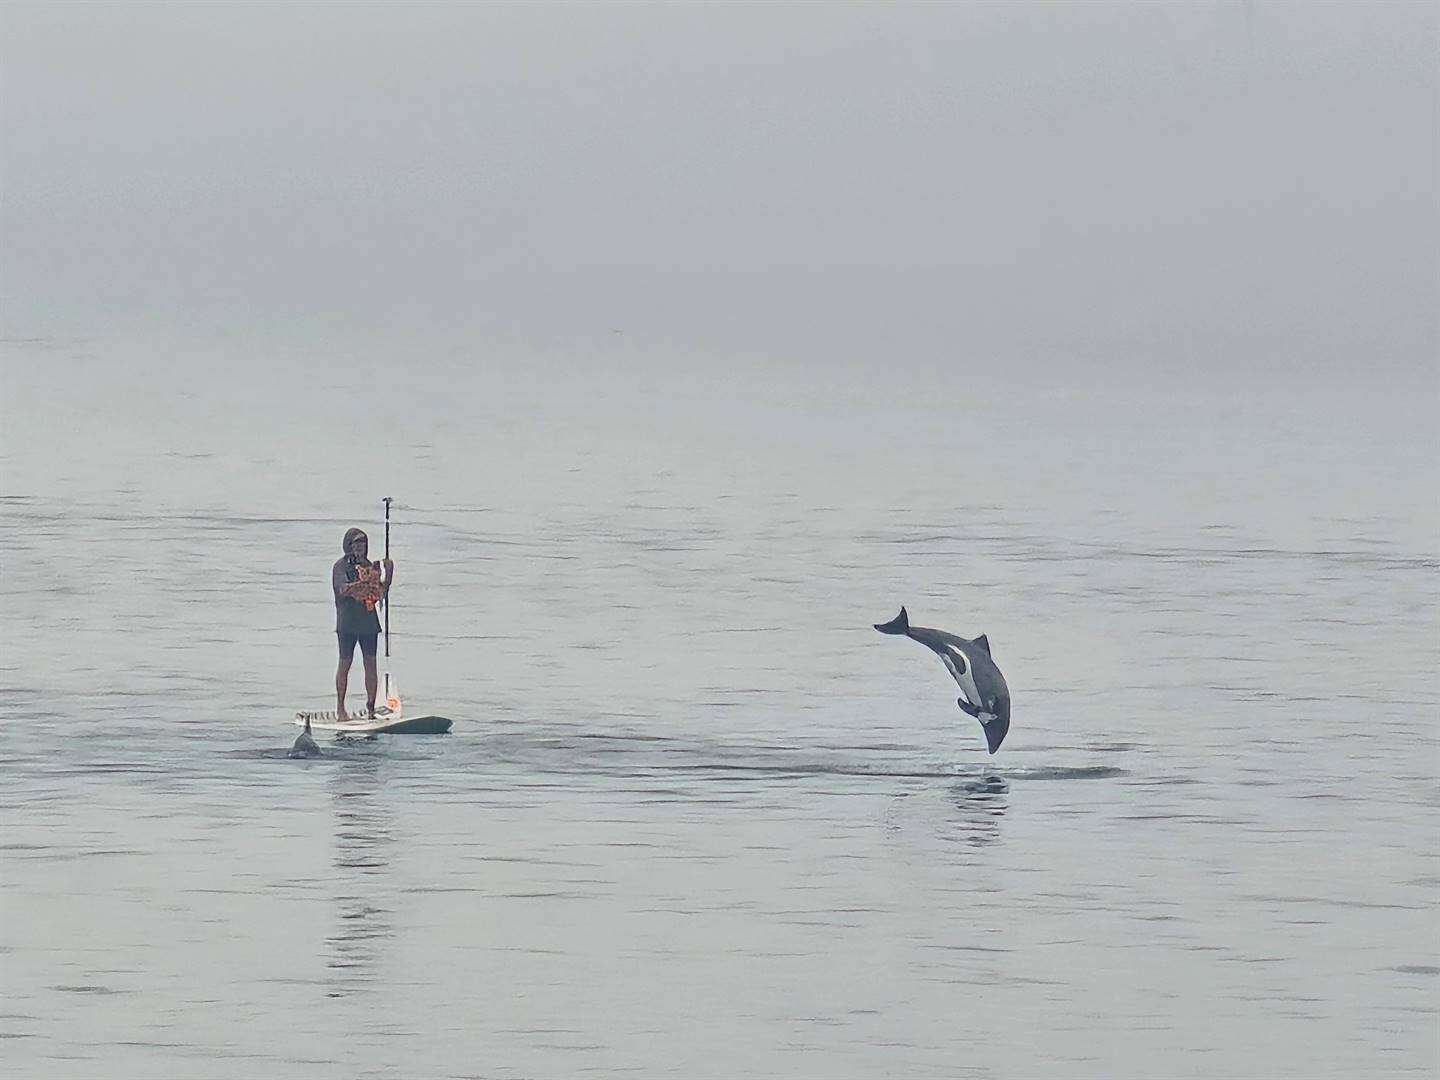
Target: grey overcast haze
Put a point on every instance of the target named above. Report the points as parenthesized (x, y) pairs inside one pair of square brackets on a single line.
[(1152, 182)]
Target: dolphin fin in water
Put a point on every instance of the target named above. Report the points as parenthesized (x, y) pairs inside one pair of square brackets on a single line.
[(984, 643), (898, 625), (305, 745)]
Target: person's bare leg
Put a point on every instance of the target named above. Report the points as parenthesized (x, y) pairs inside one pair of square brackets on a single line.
[(372, 684), (342, 681)]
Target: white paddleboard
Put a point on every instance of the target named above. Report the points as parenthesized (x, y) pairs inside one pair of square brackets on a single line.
[(385, 723)]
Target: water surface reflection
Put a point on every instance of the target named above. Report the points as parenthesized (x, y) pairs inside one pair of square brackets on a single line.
[(979, 803), (364, 839)]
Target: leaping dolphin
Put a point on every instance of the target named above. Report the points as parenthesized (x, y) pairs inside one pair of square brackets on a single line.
[(987, 698), (304, 744)]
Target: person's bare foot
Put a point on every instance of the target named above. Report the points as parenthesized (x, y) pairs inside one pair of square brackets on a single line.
[(341, 715)]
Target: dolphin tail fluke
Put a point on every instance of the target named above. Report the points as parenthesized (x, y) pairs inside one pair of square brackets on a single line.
[(898, 625)]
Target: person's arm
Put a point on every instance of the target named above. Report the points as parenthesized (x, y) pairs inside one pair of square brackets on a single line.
[(389, 578), (339, 584)]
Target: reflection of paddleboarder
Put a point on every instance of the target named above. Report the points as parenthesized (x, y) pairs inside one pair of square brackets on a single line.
[(358, 586), (365, 897)]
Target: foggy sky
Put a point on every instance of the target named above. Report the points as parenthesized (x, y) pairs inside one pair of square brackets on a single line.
[(1184, 181)]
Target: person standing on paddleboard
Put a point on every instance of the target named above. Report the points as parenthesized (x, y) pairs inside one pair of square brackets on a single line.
[(359, 586)]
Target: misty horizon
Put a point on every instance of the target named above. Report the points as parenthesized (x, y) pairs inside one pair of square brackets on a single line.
[(1171, 184)]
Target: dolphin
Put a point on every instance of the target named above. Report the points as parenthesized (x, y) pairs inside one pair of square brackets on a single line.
[(987, 698), (304, 744)]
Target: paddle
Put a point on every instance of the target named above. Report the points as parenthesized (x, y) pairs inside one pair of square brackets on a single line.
[(388, 696), (387, 597)]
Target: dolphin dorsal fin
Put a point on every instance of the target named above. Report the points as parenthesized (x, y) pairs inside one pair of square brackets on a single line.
[(984, 643)]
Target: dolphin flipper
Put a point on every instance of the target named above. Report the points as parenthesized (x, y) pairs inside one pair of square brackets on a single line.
[(984, 643), (898, 625)]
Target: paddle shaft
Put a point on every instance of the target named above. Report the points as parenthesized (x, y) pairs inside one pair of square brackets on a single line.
[(387, 595)]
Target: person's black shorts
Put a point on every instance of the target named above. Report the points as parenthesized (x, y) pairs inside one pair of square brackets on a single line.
[(347, 644)]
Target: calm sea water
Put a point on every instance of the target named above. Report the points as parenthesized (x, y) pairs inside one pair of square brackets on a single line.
[(696, 817)]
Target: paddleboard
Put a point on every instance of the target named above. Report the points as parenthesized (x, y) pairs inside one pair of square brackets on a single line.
[(385, 723)]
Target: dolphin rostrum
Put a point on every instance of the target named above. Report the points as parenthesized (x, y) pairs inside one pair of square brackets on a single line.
[(987, 698), (304, 744)]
